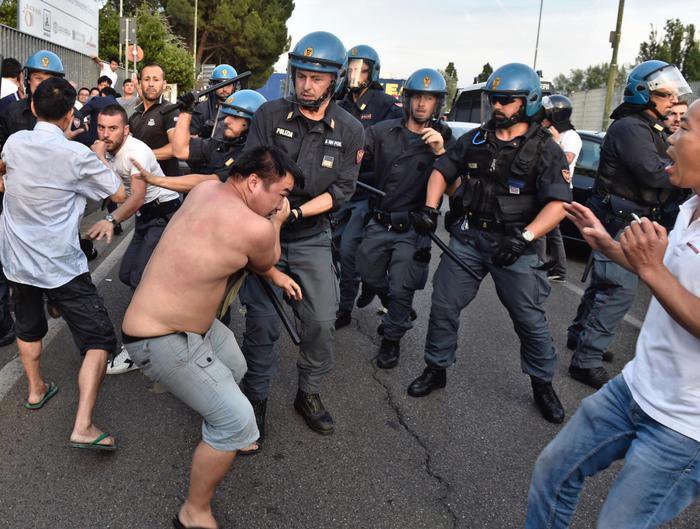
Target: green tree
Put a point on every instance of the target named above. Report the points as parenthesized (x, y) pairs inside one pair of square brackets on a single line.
[(486, 71), (678, 46), (248, 34), (450, 75), (594, 76), (8, 13), (155, 36)]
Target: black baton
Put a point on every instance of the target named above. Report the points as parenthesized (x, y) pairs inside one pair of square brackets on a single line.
[(587, 270), (446, 249), (173, 106), (280, 310)]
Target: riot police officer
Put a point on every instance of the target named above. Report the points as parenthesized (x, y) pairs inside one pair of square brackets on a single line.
[(515, 179), (367, 101), (326, 142), (216, 154), (18, 115), (204, 117), (631, 179), (400, 154)]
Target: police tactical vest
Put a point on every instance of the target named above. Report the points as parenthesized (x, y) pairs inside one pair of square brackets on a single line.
[(615, 178), (500, 179)]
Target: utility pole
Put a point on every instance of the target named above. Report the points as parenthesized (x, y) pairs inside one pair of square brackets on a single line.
[(194, 44), (612, 72), (537, 42), (121, 14)]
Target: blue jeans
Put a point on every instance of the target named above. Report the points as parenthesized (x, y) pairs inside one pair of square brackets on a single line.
[(660, 477)]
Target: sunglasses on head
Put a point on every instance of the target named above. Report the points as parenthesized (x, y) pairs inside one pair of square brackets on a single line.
[(502, 99)]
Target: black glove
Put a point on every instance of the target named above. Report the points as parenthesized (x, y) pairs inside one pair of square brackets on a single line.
[(186, 102), (425, 220), (508, 251)]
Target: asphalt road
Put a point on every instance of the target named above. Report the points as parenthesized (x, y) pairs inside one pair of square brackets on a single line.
[(461, 457)]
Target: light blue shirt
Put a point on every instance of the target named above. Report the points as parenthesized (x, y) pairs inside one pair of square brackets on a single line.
[(47, 182)]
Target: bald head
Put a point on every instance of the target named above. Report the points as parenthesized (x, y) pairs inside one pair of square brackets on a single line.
[(685, 151)]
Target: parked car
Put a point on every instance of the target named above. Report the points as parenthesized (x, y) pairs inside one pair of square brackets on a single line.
[(584, 176)]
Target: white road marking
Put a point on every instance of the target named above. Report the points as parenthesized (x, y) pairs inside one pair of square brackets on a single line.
[(12, 371)]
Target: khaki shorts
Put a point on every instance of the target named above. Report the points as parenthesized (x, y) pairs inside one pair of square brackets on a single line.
[(203, 372)]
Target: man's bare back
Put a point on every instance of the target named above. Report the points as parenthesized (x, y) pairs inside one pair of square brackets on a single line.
[(213, 235)]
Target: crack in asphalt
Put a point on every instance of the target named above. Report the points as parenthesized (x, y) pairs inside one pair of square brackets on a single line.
[(394, 405)]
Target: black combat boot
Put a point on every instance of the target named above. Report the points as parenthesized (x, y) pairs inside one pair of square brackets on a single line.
[(547, 401), (366, 297), (596, 377), (310, 407), (388, 356), (342, 319), (431, 378)]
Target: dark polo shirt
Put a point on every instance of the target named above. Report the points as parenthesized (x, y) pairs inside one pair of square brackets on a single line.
[(151, 127)]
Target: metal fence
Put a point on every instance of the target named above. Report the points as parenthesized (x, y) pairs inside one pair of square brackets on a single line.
[(79, 68), (589, 106)]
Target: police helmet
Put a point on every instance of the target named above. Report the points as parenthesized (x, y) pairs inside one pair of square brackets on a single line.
[(222, 72), (242, 104), (425, 81), (367, 54), (557, 108), (650, 76), (517, 79), (319, 51), (45, 61)]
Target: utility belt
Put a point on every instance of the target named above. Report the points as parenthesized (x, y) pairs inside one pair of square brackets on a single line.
[(157, 209), (483, 223), (398, 221), (615, 212)]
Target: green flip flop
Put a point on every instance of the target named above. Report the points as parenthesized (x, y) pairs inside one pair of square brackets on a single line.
[(95, 445), (51, 390)]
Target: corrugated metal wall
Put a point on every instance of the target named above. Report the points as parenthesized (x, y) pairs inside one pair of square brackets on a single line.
[(79, 67)]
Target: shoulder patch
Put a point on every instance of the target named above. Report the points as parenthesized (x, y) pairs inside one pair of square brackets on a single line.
[(284, 132)]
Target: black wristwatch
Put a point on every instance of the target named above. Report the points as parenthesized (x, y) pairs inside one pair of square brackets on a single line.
[(111, 219), (294, 216)]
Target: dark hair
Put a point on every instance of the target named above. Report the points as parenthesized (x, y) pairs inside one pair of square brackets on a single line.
[(151, 65), (112, 59), (11, 68), (269, 163), (83, 88), (127, 81), (109, 91), (94, 88), (104, 79), (53, 99), (115, 110)]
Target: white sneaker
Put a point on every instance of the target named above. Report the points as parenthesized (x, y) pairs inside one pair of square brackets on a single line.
[(122, 363)]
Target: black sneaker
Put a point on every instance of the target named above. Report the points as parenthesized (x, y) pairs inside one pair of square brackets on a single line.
[(388, 356), (431, 378), (9, 337), (547, 401), (595, 377), (343, 318), (310, 407)]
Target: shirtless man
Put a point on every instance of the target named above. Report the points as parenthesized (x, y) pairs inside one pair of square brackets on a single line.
[(173, 335)]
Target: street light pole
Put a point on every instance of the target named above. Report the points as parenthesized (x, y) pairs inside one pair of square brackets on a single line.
[(121, 14), (612, 72), (537, 42), (194, 44)]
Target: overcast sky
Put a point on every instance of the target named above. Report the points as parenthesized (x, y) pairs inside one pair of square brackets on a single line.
[(412, 34)]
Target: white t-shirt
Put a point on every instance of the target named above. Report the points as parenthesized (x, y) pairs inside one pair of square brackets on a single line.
[(142, 153), (664, 376), (7, 87), (106, 70), (570, 141)]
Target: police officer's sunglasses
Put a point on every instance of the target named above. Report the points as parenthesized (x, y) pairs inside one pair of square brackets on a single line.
[(502, 99), (663, 95)]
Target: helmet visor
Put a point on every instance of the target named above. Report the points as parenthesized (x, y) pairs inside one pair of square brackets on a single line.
[(355, 70), (669, 79)]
